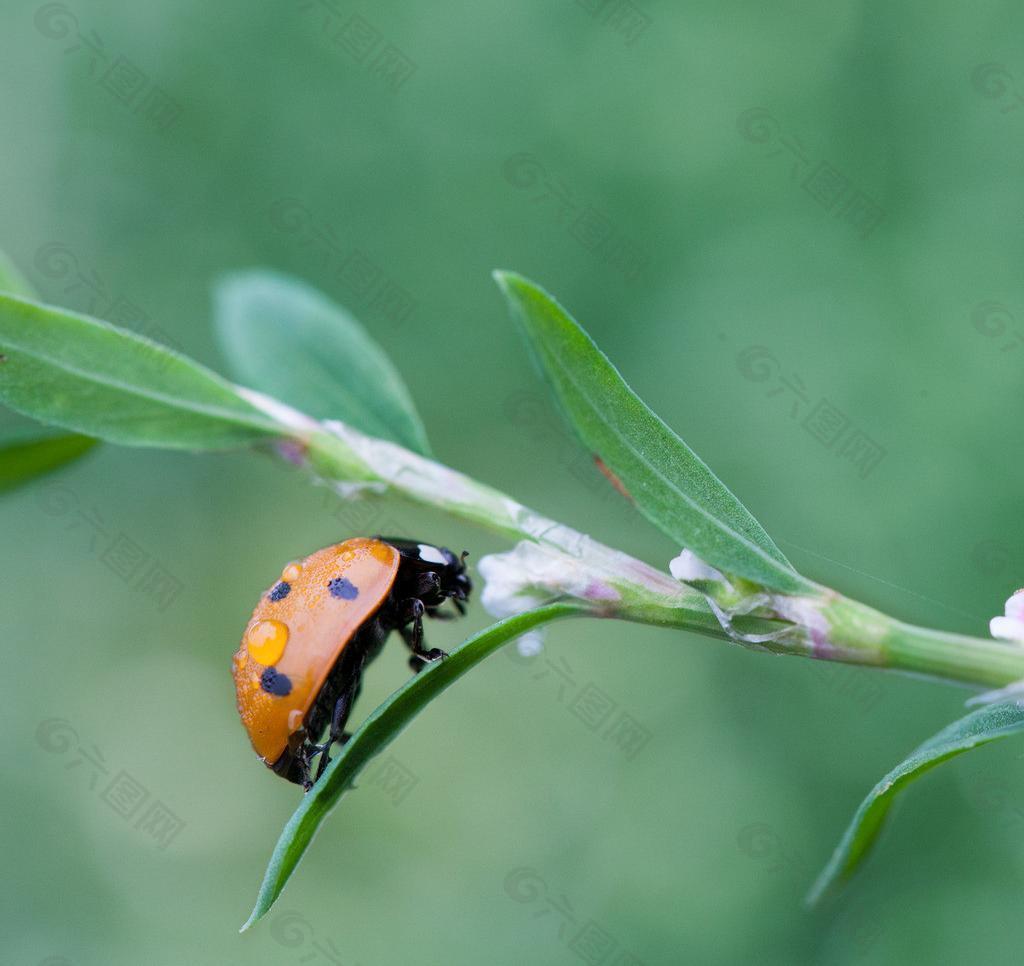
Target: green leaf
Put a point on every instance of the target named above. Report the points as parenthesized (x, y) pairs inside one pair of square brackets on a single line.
[(46, 452), (11, 279), (22, 460), (378, 730), (666, 480), (287, 339), (978, 728), (83, 374)]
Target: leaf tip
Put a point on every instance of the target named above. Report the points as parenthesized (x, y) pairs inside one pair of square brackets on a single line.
[(508, 280), (258, 912), (814, 895)]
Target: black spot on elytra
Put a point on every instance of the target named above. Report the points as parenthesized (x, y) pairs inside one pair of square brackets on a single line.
[(274, 682), (280, 591), (343, 588)]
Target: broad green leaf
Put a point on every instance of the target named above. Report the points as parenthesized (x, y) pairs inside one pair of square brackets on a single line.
[(378, 730), (24, 457), (289, 340), (666, 480), (22, 460), (978, 728), (11, 280), (83, 374)]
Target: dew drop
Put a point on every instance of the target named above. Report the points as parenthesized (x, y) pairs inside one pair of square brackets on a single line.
[(266, 641), (291, 573)]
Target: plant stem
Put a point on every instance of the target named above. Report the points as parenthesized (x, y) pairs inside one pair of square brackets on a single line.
[(343, 454), (824, 625), (858, 634), (956, 657)]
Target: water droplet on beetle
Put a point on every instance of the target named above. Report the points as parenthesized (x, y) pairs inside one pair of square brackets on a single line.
[(266, 641)]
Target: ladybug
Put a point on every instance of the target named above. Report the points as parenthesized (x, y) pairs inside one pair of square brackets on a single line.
[(300, 664)]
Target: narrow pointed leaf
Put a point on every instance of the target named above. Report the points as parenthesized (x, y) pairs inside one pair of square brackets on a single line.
[(289, 340), (978, 728), (83, 374), (24, 459), (666, 480), (376, 733)]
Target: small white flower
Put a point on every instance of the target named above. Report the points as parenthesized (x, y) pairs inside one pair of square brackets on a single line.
[(733, 598), (726, 599), (688, 566), (1010, 627), (529, 576)]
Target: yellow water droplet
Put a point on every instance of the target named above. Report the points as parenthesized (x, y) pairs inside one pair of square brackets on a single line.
[(266, 641), (294, 720), (347, 555), (291, 572)]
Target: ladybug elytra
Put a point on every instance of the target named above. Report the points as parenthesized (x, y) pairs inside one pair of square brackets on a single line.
[(300, 664)]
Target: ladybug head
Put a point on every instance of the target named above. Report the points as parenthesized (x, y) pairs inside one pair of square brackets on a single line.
[(462, 586), (455, 582)]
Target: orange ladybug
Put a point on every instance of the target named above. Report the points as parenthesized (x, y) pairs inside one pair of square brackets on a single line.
[(300, 664)]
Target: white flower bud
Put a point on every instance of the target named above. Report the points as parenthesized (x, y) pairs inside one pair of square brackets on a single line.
[(688, 566), (1010, 627), (531, 575)]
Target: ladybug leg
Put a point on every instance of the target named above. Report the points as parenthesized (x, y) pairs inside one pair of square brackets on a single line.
[(341, 712), (306, 752), (342, 709), (411, 612)]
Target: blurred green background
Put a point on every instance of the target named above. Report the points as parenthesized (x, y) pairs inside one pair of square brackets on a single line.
[(796, 231)]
